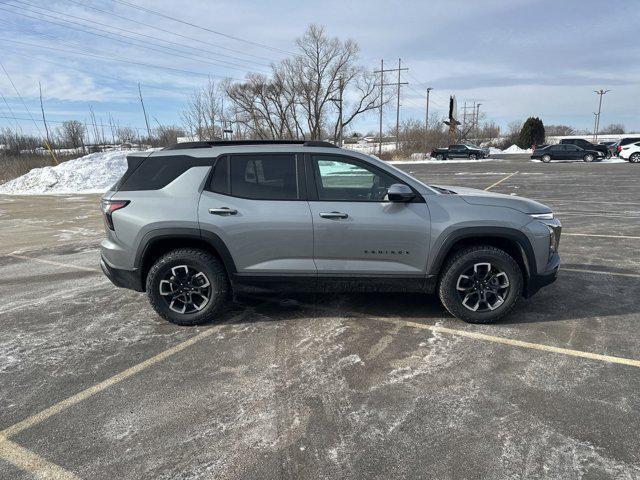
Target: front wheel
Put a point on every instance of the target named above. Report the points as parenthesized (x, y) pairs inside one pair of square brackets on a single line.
[(634, 158), (546, 158), (187, 286), (480, 284), (588, 158), (439, 157), (472, 156)]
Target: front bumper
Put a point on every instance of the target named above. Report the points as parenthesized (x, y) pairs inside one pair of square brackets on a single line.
[(550, 275), (122, 278)]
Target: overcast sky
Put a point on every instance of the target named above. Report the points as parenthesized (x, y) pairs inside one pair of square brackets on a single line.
[(516, 57)]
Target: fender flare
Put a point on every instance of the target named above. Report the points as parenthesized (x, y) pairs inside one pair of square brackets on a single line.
[(506, 233), (154, 236)]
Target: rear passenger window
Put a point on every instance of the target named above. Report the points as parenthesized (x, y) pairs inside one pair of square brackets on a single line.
[(264, 177)]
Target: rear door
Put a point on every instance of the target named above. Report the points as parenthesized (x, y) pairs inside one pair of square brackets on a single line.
[(573, 152), (256, 204), (357, 231)]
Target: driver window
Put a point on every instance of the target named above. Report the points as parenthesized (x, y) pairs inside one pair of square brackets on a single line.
[(339, 179)]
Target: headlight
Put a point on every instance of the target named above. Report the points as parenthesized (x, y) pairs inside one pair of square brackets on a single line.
[(542, 216), (554, 237)]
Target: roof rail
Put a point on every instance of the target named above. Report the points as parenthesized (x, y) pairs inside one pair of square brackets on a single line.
[(231, 143)]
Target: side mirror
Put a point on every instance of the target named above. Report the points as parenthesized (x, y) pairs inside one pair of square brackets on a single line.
[(399, 192)]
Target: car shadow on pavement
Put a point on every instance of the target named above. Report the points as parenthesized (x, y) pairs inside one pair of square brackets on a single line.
[(581, 295)]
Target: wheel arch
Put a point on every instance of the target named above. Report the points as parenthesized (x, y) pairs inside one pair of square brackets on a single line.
[(158, 242), (512, 241)]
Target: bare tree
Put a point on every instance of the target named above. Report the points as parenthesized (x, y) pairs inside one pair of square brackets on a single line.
[(166, 135), (613, 128), (203, 111), (558, 130), (71, 134), (126, 135)]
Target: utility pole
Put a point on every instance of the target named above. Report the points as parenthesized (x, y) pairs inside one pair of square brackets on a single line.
[(426, 119), (595, 125), (338, 101), (601, 93), (146, 119), (382, 71), (477, 120), (46, 128), (381, 105)]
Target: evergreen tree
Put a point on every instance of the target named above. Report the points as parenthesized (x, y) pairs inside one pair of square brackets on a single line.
[(532, 133)]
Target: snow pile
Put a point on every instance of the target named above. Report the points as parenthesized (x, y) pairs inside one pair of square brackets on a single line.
[(516, 149), (494, 151), (93, 173)]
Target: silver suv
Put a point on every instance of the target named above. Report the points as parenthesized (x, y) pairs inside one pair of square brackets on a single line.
[(196, 221)]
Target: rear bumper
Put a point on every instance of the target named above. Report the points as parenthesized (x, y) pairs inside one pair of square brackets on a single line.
[(536, 282), (122, 278)]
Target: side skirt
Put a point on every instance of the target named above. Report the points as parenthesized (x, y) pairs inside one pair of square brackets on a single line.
[(313, 283)]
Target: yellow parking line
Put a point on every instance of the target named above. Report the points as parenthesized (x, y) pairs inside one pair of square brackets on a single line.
[(51, 262), (517, 343), (33, 463), (564, 234), (500, 181), (600, 272), (78, 397)]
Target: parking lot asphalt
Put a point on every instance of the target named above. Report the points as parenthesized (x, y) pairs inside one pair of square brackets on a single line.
[(94, 385)]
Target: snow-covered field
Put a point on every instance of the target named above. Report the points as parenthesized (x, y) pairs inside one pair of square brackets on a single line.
[(93, 173)]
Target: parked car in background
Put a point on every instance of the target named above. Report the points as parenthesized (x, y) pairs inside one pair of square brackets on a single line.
[(566, 152), (611, 146), (462, 150), (631, 152), (625, 141), (586, 145)]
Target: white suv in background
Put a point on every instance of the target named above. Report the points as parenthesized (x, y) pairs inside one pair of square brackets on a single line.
[(631, 152)]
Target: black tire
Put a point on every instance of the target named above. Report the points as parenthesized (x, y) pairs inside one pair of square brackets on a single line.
[(439, 156), (473, 156), (460, 263), (634, 158), (588, 158), (546, 158), (200, 261)]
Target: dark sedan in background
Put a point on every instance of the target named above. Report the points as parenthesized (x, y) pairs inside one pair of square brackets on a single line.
[(566, 152)]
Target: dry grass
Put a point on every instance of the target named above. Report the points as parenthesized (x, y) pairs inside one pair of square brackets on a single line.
[(13, 166)]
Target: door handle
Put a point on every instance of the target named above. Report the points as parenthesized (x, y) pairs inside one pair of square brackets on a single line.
[(334, 215), (224, 211)]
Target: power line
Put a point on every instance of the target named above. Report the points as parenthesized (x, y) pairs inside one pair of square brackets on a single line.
[(180, 54), (118, 79), (11, 112), (122, 17), (63, 121), (55, 160), (160, 14), (117, 59), (120, 29)]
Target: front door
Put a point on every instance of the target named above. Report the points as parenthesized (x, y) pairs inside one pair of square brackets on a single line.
[(256, 204), (357, 230)]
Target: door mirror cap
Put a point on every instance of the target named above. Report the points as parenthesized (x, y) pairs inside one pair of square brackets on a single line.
[(400, 193)]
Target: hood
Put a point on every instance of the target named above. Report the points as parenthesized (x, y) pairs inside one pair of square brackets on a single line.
[(474, 196)]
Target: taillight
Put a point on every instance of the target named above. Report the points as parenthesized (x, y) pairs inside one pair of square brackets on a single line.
[(110, 206)]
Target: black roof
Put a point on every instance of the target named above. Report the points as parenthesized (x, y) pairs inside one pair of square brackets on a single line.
[(227, 143)]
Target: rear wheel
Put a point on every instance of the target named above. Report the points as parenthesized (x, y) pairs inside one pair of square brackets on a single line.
[(546, 158), (588, 157), (187, 286), (439, 156), (480, 284), (635, 157)]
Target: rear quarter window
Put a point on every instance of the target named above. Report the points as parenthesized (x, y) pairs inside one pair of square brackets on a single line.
[(157, 172)]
